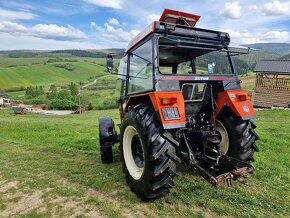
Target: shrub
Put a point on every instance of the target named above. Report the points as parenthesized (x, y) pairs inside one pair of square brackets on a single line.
[(90, 106), (15, 89), (66, 66), (63, 94), (61, 104), (107, 103), (36, 101)]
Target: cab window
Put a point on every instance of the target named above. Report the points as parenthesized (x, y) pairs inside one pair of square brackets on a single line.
[(121, 81), (141, 69)]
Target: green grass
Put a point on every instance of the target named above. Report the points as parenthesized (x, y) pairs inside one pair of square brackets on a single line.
[(60, 156), (16, 72)]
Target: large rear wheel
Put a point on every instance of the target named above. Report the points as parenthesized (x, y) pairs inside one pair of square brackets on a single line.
[(238, 138), (147, 157)]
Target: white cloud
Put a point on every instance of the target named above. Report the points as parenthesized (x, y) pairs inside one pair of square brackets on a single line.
[(135, 32), (113, 21), (15, 4), (53, 31), (116, 4), (276, 8), (9, 15), (153, 17), (10, 27), (30, 42), (93, 25), (45, 31), (232, 10), (254, 8), (111, 33), (246, 37)]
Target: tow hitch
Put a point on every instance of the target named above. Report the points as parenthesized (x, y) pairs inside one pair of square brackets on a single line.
[(235, 170), (229, 169)]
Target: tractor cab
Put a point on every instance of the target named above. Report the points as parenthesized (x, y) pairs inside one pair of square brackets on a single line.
[(181, 101), (171, 55)]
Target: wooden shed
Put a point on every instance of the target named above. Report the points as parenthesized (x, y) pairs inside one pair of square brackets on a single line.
[(272, 85)]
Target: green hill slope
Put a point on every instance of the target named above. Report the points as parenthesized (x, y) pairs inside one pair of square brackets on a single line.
[(255, 56), (16, 72), (278, 48), (286, 57)]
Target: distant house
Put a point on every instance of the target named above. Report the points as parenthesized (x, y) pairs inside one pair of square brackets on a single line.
[(4, 102), (272, 85), (2, 95), (2, 99)]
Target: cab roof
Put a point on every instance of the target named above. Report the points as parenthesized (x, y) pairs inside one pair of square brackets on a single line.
[(183, 24), (168, 16)]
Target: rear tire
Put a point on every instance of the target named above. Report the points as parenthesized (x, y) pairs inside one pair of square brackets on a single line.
[(150, 174), (241, 135)]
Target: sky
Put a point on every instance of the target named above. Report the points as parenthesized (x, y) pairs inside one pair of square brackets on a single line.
[(95, 24)]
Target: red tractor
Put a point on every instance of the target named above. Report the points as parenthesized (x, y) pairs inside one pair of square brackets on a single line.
[(181, 102)]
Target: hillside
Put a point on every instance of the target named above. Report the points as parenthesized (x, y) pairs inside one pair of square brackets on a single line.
[(92, 53), (285, 57), (17, 72), (254, 56), (278, 48)]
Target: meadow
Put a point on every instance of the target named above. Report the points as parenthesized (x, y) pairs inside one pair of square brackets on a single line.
[(50, 166), (17, 72)]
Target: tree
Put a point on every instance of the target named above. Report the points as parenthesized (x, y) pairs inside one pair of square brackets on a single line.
[(36, 92), (41, 91), (52, 92), (90, 106), (64, 94), (30, 92), (73, 89)]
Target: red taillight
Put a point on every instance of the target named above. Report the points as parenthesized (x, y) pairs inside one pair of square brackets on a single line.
[(168, 101), (242, 97)]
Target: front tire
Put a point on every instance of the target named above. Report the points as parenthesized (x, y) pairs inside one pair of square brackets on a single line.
[(147, 157), (107, 138), (240, 135)]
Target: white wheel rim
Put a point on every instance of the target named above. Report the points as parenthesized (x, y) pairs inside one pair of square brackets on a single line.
[(135, 171), (224, 145)]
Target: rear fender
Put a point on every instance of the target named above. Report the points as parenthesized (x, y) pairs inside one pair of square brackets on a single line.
[(107, 134), (243, 109), (154, 99)]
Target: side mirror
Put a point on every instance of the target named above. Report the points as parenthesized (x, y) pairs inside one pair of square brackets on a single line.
[(110, 63)]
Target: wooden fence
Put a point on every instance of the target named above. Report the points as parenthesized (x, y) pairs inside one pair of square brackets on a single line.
[(272, 90), (274, 82)]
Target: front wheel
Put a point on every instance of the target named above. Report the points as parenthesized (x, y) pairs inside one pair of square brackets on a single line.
[(238, 138), (147, 157)]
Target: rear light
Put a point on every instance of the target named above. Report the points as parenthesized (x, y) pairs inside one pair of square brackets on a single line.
[(170, 113), (242, 97), (168, 101)]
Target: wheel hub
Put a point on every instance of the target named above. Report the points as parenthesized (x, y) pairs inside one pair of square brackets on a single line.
[(222, 136), (133, 152), (137, 151)]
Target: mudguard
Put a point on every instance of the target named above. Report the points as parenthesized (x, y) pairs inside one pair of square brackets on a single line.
[(107, 133), (154, 99), (230, 98)]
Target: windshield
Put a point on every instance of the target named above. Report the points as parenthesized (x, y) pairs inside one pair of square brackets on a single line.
[(176, 57)]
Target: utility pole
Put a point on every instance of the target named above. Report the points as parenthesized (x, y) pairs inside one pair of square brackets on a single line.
[(80, 108)]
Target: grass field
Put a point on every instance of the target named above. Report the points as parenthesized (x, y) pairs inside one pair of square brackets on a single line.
[(50, 166), (17, 72)]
